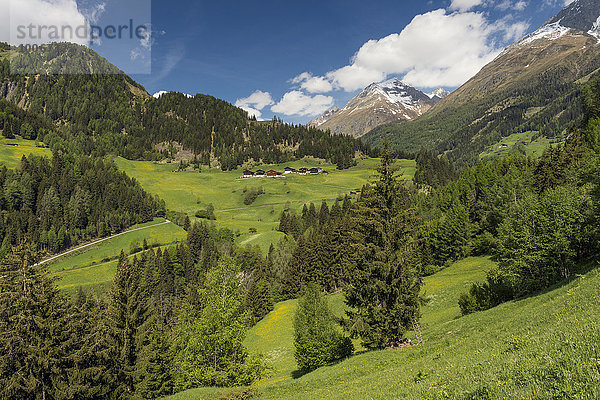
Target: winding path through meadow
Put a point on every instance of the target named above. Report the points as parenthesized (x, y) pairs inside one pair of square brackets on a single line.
[(99, 241)]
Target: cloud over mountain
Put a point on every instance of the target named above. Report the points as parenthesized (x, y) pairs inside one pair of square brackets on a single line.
[(254, 103), (40, 14)]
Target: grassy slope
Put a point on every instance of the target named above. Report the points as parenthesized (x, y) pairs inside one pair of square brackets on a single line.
[(183, 190), (12, 150), (540, 347), (532, 147), (95, 266)]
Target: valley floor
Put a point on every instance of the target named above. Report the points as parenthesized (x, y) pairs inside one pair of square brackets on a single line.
[(257, 223), (542, 347)]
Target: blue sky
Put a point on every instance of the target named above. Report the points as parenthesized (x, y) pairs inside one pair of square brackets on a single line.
[(296, 59), (233, 49)]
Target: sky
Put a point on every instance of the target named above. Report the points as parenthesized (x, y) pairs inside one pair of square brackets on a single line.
[(295, 59)]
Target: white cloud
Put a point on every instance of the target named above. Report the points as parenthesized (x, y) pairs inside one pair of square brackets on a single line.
[(50, 21), (172, 59), (355, 76), (254, 103), (512, 5), (258, 99), (313, 84), (437, 49), (95, 12), (298, 103), (464, 5), (160, 93), (510, 30)]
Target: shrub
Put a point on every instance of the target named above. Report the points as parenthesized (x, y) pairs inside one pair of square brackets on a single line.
[(208, 213), (317, 340), (250, 195), (496, 290)]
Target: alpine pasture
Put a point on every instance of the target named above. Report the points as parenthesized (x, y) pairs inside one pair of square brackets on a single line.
[(539, 347), (190, 191)]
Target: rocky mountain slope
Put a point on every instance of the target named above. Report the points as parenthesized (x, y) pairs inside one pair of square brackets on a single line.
[(378, 104), (533, 85)]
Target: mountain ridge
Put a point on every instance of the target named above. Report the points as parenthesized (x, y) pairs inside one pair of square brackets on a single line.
[(534, 85), (378, 104)]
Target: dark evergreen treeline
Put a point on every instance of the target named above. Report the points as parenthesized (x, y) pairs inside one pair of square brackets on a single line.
[(549, 227), (16, 121), (109, 113), (433, 170), (60, 202)]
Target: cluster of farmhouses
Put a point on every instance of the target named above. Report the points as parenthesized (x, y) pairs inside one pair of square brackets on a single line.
[(289, 170)]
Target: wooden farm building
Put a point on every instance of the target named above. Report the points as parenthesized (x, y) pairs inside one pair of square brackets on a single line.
[(272, 173)]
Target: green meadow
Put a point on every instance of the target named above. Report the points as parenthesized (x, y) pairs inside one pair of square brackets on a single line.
[(540, 347), (95, 266), (12, 150), (525, 141), (190, 191)]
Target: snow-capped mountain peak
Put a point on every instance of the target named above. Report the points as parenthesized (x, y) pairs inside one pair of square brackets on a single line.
[(377, 104), (581, 16), (439, 93), (550, 31), (393, 91)]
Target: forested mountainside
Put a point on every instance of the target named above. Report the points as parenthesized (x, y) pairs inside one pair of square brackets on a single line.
[(534, 85), (106, 112), (538, 217)]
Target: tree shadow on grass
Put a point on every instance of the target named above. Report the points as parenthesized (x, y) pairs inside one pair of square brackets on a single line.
[(299, 373)]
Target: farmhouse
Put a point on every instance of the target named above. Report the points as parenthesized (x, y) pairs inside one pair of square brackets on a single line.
[(288, 170)]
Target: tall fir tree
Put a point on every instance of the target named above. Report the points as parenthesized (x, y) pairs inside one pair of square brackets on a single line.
[(128, 314), (34, 334), (384, 294)]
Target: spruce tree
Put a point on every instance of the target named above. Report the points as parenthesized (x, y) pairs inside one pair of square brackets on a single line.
[(128, 314), (383, 295), (323, 213), (153, 368), (33, 330), (259, 299)]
